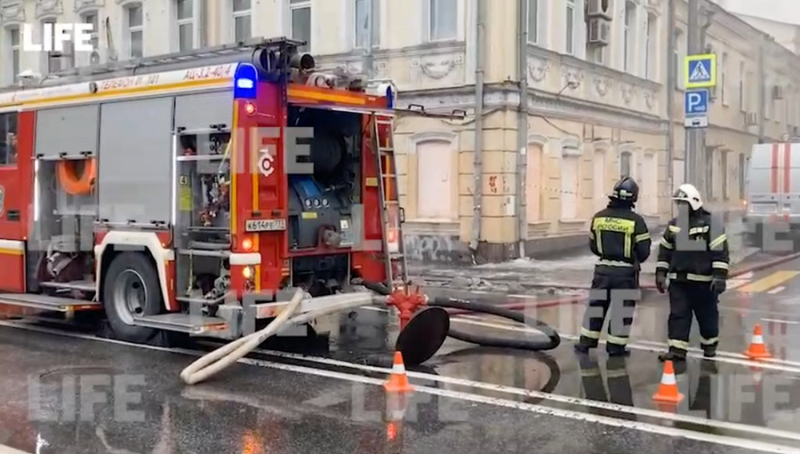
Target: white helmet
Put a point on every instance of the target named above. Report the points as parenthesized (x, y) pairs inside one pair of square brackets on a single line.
[(689, 194)]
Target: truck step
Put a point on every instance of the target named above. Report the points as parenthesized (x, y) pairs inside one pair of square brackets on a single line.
[(183, 323), (83, 286), (199, 300), (48, 303)]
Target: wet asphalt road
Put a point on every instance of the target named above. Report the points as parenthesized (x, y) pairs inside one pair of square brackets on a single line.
[(333, 402)]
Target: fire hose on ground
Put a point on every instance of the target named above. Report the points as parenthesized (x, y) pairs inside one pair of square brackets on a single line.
[(424, 324), (228, 354), (408, 305)]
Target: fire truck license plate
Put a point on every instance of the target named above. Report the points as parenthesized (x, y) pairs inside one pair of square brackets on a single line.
[(265, 225)]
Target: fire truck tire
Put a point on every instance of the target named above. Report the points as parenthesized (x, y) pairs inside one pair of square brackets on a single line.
[(131, 287)]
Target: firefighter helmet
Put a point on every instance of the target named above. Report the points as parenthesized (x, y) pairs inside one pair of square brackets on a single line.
[(689, 194), (626, 189)]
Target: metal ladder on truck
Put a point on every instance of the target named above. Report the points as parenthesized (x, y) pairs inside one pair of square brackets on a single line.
[(391, 212)]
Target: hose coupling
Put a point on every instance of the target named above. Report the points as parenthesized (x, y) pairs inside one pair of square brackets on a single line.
[(407, 303)]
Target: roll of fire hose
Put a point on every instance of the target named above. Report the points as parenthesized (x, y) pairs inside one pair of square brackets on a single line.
[(553, 341), (228, 354)]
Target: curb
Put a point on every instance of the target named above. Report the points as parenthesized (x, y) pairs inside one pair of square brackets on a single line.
[(574, 299)]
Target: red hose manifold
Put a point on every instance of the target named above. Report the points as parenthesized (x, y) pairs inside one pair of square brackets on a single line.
[(407, 303)]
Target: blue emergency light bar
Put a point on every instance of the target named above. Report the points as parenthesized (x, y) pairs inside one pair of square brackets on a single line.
[(245, 81)]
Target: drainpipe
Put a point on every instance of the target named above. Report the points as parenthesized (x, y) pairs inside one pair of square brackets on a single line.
[(522, 127), (762, 90), (477, 163), (671, 84)]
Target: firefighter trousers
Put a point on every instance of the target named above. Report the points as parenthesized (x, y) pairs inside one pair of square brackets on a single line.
[(614, 294), (687, 299)]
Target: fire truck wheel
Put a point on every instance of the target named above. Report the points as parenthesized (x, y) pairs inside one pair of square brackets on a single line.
[(131, 288)]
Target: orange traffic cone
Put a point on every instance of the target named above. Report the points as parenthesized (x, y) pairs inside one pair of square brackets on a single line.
[(757, 349), (398, 380), (668, 389), (396, 404)]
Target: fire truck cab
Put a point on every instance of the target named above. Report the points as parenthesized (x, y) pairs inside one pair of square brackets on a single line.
[(183, 193)]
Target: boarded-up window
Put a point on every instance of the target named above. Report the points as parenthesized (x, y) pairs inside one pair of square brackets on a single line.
[(649, 185), (625, 162), (534, 183), (435, 180), (599, 178), (569, 186)]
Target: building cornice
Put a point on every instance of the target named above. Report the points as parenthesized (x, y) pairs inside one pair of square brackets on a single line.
[(587, 66), (548, 106), (539, 103)]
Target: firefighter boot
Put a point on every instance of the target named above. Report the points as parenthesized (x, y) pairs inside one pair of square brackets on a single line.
[(585, 344), (673, 355), (616, 351), (710, 351)]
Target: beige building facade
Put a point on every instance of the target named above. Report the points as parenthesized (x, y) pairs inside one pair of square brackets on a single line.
[(597, 100)]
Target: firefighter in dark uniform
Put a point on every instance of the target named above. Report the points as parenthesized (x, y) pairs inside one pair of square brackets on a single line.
[(694, 256), (621, 240)]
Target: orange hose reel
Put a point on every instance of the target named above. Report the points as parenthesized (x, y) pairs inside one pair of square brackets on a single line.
[(73, 179)]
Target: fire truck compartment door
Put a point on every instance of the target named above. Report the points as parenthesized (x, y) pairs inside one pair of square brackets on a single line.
[(67, 131), (135, 174), (201, 111)]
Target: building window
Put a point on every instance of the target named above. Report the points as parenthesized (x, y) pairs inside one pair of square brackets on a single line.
[(629, 46), (184, 13), (569, 44), (135, 21), (443, 20), (677, 61), (533, 21), (767, 100), (56, 60), (301, 22), (723, 92), (14, 47), (569, 185), (242, 20), (52, 62), (8, 138), (625, 159), (651, 47), (743, 162), (364, 25), (742, 81), (91, 18)]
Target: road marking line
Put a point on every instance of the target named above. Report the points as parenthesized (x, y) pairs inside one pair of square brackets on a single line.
[(736, 283), (785, 322), (766, 283), (723, 357), (743, 443), (645, 345), (750, 310), (776, 290)]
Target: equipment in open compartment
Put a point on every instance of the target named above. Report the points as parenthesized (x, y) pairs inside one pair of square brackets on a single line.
[(321, 203)]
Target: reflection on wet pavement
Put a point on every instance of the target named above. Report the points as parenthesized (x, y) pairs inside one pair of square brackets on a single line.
[(140, 407), (254, 409)]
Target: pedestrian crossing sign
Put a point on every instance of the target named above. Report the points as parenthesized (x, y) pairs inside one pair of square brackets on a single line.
[(700, 71)]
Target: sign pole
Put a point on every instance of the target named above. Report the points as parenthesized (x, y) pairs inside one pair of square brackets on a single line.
[(700, 76), (693, 44)]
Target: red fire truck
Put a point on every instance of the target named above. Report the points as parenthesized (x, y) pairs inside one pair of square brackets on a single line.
[(145, 189)]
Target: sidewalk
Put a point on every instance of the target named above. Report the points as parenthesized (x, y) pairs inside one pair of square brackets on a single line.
[(556, 275)]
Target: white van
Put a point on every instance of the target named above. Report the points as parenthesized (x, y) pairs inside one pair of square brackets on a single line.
[(772, 194)]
